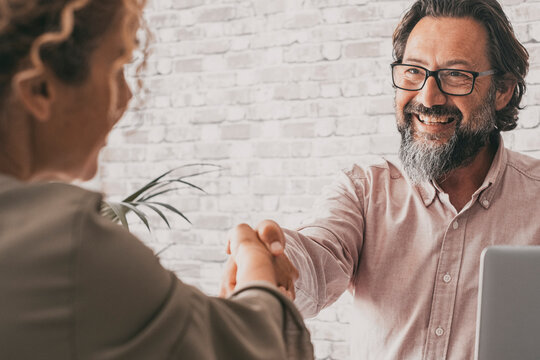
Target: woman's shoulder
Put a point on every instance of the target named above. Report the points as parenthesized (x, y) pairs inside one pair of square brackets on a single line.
[(44, 211), (44, 198)]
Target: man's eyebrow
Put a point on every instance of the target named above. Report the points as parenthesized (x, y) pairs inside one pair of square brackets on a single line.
[(447, 64), (414, 60), (459, 62)]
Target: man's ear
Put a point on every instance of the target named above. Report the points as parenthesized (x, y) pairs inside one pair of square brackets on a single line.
[(36, 93), (505, 90)]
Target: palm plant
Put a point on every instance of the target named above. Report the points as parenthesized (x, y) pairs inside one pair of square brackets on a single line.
[(145, 197)]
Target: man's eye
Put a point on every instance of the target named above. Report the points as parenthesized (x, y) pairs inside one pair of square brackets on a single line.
[(413, 71), (457, 74)]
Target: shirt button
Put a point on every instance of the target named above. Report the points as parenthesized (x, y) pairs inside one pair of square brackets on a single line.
[(439, 331), (455, 225), (447, 278)]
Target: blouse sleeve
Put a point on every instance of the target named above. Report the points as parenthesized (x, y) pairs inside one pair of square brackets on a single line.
[(127, 306)]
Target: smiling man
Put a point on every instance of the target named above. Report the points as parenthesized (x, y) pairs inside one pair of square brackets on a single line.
[(406, 238)]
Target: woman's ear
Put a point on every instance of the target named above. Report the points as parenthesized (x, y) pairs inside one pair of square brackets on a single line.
[(36, 92), (505, 90)]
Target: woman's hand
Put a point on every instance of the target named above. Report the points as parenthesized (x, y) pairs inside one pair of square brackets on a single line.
[(257, 254)]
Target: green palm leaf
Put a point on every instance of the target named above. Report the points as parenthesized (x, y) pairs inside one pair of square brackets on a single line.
[(161, 185)]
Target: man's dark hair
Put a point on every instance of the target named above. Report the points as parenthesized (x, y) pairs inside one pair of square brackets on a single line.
[(506, 54)]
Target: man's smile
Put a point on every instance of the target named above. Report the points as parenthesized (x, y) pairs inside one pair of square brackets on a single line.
[(441, 125), (434, 120)]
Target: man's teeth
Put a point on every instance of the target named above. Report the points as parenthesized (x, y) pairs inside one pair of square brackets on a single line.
[(431, 120)]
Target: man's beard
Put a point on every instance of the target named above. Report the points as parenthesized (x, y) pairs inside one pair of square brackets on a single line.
[(427, 158)]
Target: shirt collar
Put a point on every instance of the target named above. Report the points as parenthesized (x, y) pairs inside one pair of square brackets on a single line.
[(487, 190), (428, 189)]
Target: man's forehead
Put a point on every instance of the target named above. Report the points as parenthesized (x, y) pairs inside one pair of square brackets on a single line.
[(458, 42)]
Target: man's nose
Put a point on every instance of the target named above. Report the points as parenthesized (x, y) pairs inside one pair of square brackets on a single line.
[(430, 95)]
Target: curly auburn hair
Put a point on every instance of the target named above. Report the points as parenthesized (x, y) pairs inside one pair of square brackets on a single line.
[(506, 54), (59, 35)]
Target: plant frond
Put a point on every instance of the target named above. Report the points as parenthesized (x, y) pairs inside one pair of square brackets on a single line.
[(161, 185)]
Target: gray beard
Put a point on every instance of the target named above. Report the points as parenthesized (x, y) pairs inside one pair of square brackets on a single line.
[(425, 160)]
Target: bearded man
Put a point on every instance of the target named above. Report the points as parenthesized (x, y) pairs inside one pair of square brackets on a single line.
[(406, 238)]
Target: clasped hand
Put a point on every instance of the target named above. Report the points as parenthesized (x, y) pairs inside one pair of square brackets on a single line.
[(258, 254)]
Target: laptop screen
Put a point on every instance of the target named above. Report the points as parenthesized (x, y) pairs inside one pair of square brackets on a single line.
[(508, 321)]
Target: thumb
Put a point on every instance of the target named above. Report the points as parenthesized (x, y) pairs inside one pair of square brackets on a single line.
[(271, 234)]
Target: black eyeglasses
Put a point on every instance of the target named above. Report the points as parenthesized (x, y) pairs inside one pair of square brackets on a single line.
[(450, 81)]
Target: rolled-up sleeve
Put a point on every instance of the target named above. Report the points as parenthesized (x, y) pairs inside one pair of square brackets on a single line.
[(326, 249)]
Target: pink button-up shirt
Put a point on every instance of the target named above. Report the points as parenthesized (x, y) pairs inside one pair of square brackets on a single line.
[(409, 258)]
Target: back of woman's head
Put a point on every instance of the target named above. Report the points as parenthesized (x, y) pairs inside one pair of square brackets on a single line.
[(57, 34)]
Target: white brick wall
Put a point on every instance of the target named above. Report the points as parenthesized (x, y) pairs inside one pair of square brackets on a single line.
[(283, 93)]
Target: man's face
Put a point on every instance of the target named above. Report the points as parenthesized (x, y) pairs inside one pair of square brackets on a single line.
[(442, 132)]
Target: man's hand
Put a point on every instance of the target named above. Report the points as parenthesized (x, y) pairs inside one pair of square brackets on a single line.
[(250, 264)]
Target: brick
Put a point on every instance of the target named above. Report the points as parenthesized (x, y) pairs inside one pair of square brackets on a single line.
[(301, 149), (325, 127), (241, 150), (235, 113), (330, 148), (165, 19), (272, 74), (265, 7), (213, 46), (529, 117), (385, 144), (188, 65), (208, 115), (527, 140), (524, 12), (333, 71), (362, 49), (236, 132), (393, 9), (185, 4), (268, 186), (330, 90), (298, 130), (241, 60), (348, 14), (331, 51), (123, 154), (164, 66), (302, 53), (212, 150), (216, 14), (296, 91), (238, 203), (304, 19), (295, 203), (357, 125), (209, 133), (381, 105), (272, 149)]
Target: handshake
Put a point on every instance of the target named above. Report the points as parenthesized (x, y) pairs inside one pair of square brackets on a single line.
[(258, 254)]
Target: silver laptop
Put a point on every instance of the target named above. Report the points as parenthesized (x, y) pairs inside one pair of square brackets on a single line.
[(508, 322)]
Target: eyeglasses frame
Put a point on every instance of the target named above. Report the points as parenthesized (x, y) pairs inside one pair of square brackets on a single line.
[(435, 74)]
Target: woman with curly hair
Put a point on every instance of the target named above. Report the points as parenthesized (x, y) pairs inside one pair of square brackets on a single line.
[(73, 285)]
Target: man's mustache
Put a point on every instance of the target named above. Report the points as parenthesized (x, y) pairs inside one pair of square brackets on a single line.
[(435, 111)]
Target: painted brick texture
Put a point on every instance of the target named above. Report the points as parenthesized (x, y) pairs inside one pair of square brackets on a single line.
[(282, 94)]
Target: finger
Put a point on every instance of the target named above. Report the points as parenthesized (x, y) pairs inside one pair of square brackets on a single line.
[(228, 281), (286, 292), (228, 248), (239, 234), (271, 234)]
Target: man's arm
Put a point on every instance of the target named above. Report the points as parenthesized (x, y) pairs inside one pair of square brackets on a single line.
[(326, 250)]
